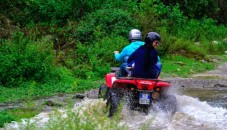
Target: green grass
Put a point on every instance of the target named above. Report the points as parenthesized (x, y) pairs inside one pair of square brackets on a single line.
[(30, 90), (179, 66), (224, 57), (9, 115)]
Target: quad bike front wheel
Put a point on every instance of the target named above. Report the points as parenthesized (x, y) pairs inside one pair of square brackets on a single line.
[(113, 100), (103, 91)]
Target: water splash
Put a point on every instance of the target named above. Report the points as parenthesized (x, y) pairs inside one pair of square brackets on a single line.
[(191, 114), (198, 115)]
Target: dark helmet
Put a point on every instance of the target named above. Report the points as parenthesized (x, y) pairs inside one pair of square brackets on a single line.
[(134, 34), (152, 36)]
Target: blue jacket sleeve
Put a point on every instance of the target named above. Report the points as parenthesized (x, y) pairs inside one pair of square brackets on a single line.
[(120, 56), (159, 60)]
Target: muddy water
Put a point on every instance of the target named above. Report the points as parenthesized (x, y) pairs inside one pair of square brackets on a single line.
[(197, 109), (214, 97)]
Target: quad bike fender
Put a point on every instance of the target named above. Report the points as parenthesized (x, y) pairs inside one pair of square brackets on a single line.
[(163, 84), (140, 83), (110, 78), (150, 84)]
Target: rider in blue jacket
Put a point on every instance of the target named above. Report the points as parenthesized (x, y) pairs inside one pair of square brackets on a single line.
[(135, 38)]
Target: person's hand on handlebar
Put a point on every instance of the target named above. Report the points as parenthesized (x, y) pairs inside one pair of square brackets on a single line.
[(116, 52)]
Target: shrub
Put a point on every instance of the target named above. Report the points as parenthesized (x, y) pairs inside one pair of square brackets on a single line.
[(23, 59), (93, 61), (153, 15), (204, 32), (5, 118), (106, 22), (173, 45), (42, 11)]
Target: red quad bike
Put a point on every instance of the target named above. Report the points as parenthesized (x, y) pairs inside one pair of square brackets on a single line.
[(139, 94)]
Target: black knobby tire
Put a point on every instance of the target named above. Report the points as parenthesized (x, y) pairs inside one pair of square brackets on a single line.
[(102, 91), (168, 103), (132, 100), (114, 101), (145, 109)]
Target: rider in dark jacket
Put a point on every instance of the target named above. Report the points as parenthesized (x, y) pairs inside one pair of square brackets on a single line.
[(146, 57)]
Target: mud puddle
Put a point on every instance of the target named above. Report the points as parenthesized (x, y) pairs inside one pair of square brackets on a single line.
[(214, 97)]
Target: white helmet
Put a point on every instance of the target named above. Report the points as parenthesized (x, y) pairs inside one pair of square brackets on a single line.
[(134, 35)]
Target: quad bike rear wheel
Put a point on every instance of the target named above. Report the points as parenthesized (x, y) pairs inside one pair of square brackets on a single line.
[(167, 103)]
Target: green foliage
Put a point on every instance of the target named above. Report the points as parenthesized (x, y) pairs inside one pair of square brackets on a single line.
[(51, 10), (5, 118), (25, 11), (173, 45), (58, 12), (179, 33), (199, 9), (153, 15), (23, 59), (95, 60), (195, 30), (101, 23), (204, 33), (147, 16)]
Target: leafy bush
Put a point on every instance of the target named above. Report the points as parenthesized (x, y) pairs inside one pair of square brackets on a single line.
[(198, 9), (5, 118), (195, 30), (153, 15), (172, 45), (204, 32), (93, 61), (101, 23), (26, 11), (58, 12), (22, 59)]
